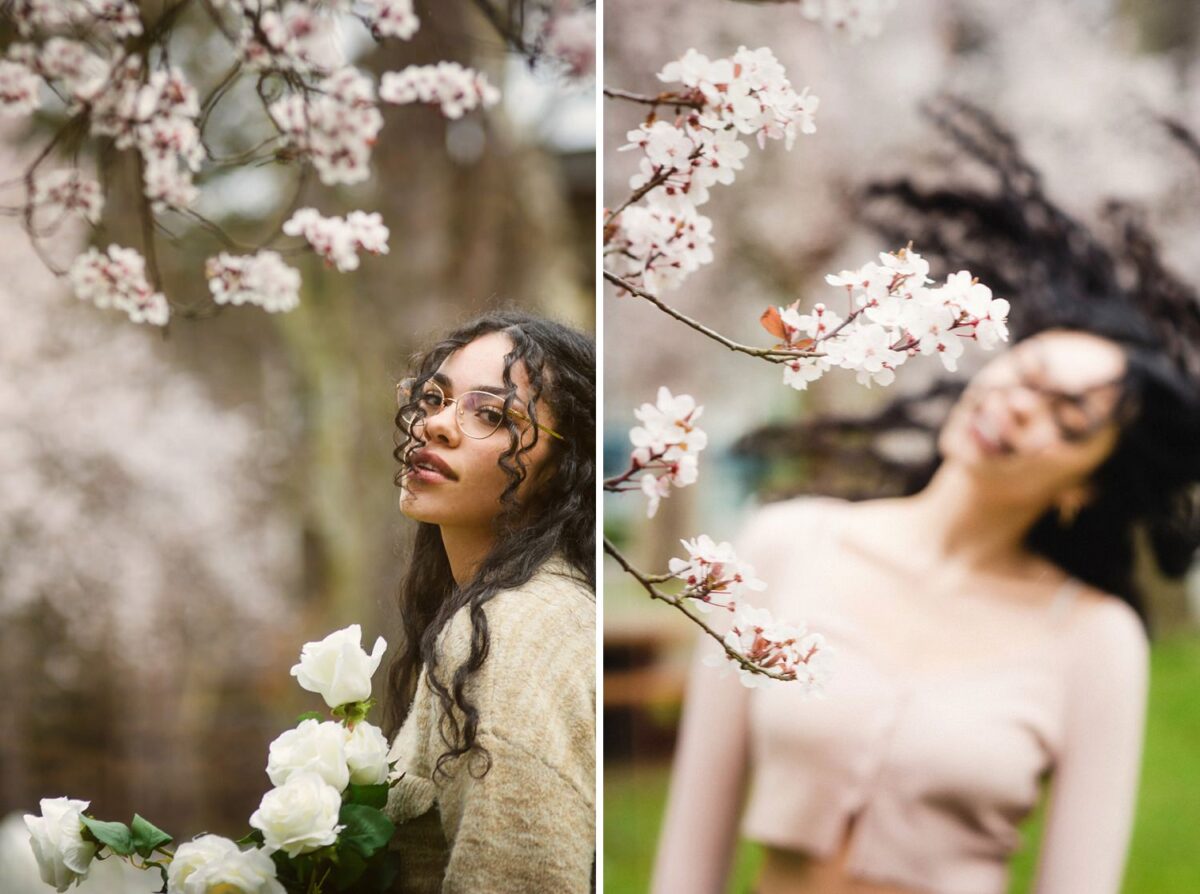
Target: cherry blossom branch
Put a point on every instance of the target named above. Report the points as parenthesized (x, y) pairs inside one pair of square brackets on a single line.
[(772, 355), (649, 584), (669, 98)]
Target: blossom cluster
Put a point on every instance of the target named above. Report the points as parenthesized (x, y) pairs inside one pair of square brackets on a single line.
[(857, 18), (794, 654), (67, 191), (666, 448), (453, 88), (338, 240), (117, 278), (569, 37), (335, 127), (713, 575), (326, 114), (894, 313), (311, 767), (261, 279), (657, 244), (114, 18)]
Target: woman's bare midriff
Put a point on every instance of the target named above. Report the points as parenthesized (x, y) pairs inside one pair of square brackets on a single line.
[(792, 872)]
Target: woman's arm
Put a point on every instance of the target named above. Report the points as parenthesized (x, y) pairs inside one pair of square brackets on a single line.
[(1094, 787), (528, 825), (699, 831), (708, 779)]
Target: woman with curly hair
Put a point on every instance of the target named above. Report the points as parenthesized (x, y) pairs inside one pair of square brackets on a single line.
[(492, 696), (988, 628)]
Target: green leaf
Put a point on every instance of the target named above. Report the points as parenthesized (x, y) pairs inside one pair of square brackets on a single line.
[(116, 836), (382, 871), (146, 836), (371, 795), (348, 867), (367, 829), (255, 838), (309, 715)]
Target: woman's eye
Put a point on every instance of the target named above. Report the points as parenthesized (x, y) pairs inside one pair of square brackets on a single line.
[(490, 415), (430, 399)]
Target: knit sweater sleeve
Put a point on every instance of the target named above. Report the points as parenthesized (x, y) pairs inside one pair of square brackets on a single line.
[(528, 824)]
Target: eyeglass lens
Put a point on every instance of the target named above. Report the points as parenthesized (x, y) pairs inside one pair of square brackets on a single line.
[(478, 413)]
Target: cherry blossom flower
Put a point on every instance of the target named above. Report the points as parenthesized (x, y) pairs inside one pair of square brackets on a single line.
[(116, 18), (261, 279), (857, 18), (712, 572), (392, 18), (117, 278), (19, 89), (895, 312), (659, 244), (448, 85), (338, 240), (665, 447), (68, 191), (570, 37), (802, 658), (336, 127)]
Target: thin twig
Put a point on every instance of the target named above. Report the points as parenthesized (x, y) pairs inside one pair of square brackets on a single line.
[(649, 584), (653, 183), (663, 99), (772, 355)]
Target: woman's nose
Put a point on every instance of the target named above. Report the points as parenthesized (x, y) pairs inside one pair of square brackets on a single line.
[(441, 425)]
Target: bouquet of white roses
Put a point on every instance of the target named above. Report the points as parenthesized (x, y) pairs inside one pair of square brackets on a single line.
[(320, 829)]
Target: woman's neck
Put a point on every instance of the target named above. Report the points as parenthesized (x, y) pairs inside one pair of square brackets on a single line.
[(465, 550), (959, 516)]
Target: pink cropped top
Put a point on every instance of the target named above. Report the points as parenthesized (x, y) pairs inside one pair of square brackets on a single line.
[(921, 769)]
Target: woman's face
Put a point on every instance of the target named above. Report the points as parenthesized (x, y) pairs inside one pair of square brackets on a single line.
[(454, 480), (1038, 420)]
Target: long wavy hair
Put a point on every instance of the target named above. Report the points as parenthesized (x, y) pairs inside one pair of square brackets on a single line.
[(556, 519), (1060, 275)]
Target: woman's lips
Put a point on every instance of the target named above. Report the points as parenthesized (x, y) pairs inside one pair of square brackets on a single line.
[(986, 435), (430, 468)]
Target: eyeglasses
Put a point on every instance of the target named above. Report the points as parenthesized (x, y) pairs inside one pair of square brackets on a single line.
[(477, 413), (1074, 414)]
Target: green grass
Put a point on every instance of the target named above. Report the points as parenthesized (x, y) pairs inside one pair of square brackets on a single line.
[(1164, 854)]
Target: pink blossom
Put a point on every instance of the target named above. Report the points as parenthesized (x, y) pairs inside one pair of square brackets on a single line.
[(18, 89), (339, 240), (448, 85), (392, 18), (261, 279), (117, 278), (335, 127), (571, 38), (67, 191)]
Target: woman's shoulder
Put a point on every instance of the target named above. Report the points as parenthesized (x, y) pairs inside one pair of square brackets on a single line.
[(556, 593), (1107, 639), (776, 525), (554, 608)]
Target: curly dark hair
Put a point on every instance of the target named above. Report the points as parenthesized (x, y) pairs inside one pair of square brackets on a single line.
[(1060, 275), (558, 519)]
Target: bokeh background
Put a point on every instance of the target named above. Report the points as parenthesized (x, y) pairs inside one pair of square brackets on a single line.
[(179, 512), (1085, 86)]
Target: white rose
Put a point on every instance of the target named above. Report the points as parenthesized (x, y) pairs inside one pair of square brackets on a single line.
[(299, 816), (337, 667), (204, 865), (367, 754), (311, 747), (56, 837)]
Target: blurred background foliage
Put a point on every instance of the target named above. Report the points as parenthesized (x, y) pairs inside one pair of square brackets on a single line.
[(1103, 99), (179, 512)]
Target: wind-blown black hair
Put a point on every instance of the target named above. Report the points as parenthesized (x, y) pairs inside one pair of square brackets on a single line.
[(1057, 274), (557, 519)]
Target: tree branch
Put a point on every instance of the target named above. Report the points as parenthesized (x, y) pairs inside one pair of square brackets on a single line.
[(649, 584), (772, 355)]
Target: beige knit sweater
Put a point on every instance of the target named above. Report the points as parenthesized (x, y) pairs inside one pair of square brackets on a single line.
[(528, 824)]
